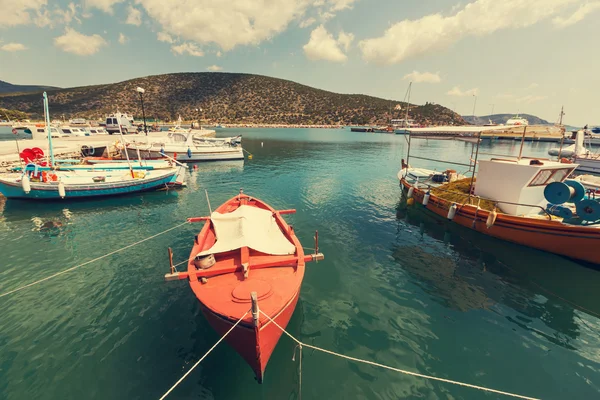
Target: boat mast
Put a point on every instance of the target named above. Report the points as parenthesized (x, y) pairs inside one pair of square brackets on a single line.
[(407, 106), (406, 123), (47, 118), (125, 150), (561, 115)]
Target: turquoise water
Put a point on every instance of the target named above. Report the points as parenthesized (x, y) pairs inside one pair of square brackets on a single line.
[(397, 286)]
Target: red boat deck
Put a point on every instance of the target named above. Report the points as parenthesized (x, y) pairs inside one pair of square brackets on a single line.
[(225, 295)]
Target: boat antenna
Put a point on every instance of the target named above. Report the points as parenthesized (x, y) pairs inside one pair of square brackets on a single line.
[(208, 201), (47, 121), (125, 150)]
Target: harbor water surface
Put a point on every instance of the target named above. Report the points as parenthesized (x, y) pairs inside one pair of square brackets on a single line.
[(397, 287)]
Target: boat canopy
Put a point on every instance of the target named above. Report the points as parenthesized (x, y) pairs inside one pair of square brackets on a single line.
[(248, 227)]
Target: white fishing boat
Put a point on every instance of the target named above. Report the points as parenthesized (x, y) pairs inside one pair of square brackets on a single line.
[(183, 147), (73, 131), (517, 121), (40, 131), (96, 130), (222, 141)]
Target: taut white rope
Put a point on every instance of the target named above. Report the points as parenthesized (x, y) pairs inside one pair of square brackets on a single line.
[(397, 369), (91, 261), (204, 356)]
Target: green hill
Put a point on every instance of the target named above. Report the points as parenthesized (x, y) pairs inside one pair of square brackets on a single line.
[(225, 98), (6, 87)]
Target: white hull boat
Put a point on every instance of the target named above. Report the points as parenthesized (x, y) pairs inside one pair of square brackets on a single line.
[(183, 147)]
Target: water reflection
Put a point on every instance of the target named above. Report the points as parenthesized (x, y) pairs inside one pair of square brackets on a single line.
[(480, 271)]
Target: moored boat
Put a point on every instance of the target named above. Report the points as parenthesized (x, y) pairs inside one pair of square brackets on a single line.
[(524, 201), (246, 256), (39, 183), (45, 180), (183, 147)]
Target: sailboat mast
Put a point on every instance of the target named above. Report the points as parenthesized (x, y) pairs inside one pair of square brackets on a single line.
[(125, 150), (48, 132), (561, 114)]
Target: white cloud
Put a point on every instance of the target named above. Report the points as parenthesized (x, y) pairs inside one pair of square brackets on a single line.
[(345, 40), (214, 68), (189, 48), (456, 91), (323, 46), (307, 22), (104, 5), (78, 43), (530, 99), (219, 54), (123, 39), (57, 16), (226, 23), (338, 5), (134, 16), (412, 38), (423, 77), (578, 15), (13, 47), (20, 12), (164, 37), (532, 86)]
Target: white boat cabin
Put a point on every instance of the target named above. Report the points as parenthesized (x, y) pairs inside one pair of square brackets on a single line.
[(74, 131), (519, 181)]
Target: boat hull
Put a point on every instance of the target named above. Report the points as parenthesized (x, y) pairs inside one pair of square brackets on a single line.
[(576, 242), (47, 191), (182, 156), (588, 164), (255, 349), (225, 290)]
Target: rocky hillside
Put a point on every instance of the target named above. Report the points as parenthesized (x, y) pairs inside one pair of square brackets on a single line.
[(502, 118), (6, 87), (225, 98)]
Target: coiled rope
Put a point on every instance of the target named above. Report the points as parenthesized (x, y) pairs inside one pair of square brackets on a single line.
[(204, 356), (392, 368), (91, 261)]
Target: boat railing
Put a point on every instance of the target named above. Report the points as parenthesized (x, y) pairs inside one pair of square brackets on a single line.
[(442, 161), (475, 197)]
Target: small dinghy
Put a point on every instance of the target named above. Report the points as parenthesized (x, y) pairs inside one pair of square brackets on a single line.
[(246, 256)]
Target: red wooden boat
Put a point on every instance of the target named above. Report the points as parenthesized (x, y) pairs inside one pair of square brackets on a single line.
[(245, 248)]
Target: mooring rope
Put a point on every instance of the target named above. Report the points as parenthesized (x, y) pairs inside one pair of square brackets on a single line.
[(91, 261), (395, 369), (204, 356)]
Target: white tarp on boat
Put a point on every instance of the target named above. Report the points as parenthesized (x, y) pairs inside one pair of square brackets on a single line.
[(252, 227)]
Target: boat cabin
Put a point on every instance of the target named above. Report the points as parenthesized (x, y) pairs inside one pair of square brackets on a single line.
[(519, 181)]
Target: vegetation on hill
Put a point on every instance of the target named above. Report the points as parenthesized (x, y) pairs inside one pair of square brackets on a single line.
[(12, 115), (226, 98), (502, 118), (6, 87)]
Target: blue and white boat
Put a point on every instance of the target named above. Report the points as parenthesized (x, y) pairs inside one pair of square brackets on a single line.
[(47, 185), (47, 182)]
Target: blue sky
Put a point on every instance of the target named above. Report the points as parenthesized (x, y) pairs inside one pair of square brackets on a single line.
[(531, 56)]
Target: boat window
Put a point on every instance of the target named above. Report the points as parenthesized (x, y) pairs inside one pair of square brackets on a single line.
[(40, 130), (66, 131), (548, 176)]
